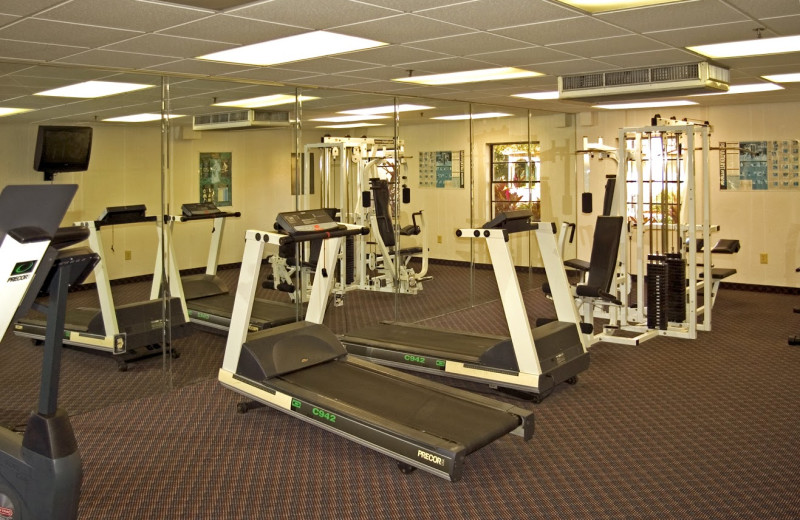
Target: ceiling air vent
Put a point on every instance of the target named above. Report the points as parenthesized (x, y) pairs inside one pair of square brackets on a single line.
[(245, 118), (645, 82)]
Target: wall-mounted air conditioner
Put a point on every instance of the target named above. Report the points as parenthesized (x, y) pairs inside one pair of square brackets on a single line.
[(645, 82), (244, 118)]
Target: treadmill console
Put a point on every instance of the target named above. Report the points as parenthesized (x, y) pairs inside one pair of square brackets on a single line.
[(198, 209), (123, 215), (309, 221), (512, 221)]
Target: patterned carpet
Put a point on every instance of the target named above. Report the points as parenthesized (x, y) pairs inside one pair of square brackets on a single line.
[(670, 429)]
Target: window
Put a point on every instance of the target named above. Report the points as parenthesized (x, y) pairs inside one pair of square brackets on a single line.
[(662, 177), (515, 183)]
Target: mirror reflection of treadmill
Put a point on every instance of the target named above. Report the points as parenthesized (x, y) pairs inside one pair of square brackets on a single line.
[(208, 299), (130, 332)]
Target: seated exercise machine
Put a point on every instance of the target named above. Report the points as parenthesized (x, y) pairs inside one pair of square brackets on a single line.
[(130, 332), (529, 363), (303, 370), (795, 340), (208, 301), (40, 471)]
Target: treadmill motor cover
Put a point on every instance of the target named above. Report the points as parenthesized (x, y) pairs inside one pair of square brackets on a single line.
[(288, 348)]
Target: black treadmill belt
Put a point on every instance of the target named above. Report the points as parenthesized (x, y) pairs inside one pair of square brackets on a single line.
[(76, 320), (466, 423), (457, 346), (273, 313)]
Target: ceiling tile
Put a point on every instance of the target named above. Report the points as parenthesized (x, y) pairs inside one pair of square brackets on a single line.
[(267, 74), (720, 33), (106, 58), (59, 33), (232, 29), (524, 58), (610, 46), (491, 14), (403, 28), (445, 65), (164, 45), (651, 59), (560, 68), (762, 9), (379, 73), (6, 19), (673, 16), (466, 44), (198, 67), (394, 55), (563, 31), (784, 25), (411, 6), (34, 51), (126, 14), (313, 14), (26, 7)]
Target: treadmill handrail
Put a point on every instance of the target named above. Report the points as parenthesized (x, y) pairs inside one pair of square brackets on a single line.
[(317, 235)]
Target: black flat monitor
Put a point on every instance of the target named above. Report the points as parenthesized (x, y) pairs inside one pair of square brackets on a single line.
[(62, 149)]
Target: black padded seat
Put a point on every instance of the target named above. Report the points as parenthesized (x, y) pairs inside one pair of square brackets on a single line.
[(577, 263), (726, 246), (719, 273)]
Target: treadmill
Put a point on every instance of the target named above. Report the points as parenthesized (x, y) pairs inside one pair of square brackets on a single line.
[(303, 370), (208, 301), (527, 365), (129, 332)]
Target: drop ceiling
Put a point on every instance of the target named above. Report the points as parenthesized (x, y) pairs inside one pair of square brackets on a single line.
[(52, 43)]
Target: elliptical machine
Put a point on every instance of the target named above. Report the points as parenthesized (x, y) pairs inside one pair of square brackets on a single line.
[(40, 471)]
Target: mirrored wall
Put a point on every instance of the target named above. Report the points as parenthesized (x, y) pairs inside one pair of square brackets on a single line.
[(414, 171)]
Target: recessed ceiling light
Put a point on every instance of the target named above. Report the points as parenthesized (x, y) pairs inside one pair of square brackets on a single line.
[(553, 94), (140, 118), (784, 78), (484, 115), (744, 89), (93, 89), (470, 76), (600, 6), (755, 47), (264, 101), (293, 48), (350, 125), (8, 111), (387, 109), (645, 104), (349, 119)]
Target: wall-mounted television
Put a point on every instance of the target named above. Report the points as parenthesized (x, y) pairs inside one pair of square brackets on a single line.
[(62, 149)]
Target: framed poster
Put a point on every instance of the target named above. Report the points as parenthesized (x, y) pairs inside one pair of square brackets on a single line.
[(215, 178)]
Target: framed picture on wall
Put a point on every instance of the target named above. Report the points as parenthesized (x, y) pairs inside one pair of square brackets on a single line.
[(216, 178)]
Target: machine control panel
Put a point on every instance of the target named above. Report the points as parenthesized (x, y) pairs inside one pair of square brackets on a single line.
[(309, 221), (198, 209)]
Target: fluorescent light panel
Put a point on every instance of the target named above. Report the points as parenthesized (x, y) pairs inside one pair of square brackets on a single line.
[(783, 78), (8, 111), (484, 115), (94, 89), (553, 94), (140, 118), (293, 48), (757, 47), (744, 89), (645, 104), (349, 119), (601, 6), (387, 109), (470, 76), (264, 101), (350, 125)]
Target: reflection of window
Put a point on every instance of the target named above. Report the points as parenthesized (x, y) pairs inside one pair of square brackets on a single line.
[(662, 179), (515, 183)]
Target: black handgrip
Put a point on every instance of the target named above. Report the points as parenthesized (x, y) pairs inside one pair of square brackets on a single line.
[(317, 235), (223, 214), (28, 234), (70, 235)]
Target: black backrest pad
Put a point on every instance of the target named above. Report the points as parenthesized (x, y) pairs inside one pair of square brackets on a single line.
[(605, 247), (41, 206), (380, 195)]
